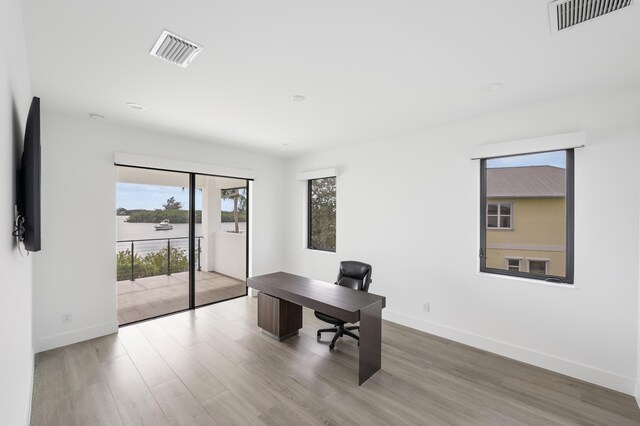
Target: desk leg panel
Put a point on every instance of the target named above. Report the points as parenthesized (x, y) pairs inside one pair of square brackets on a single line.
[(279, 318), (370, 341)]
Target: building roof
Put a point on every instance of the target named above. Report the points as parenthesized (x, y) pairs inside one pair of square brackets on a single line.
[(526, 182)]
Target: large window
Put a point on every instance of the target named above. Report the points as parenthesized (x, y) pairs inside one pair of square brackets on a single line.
[(527, 216), (322, 214)]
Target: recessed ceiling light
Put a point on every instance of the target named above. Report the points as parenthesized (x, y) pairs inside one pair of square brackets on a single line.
[(96, 116), (287, 144), (298, 98), (494, 87), (139, 107)]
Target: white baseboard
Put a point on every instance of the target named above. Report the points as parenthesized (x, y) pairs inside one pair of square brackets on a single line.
[(550, 362), (638, 394), (27, 415), (74, 336)]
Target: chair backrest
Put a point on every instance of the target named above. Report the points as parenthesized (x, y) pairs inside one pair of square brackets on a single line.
[(355, 275)]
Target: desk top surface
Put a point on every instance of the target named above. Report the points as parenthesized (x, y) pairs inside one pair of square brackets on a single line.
[(331, 299)]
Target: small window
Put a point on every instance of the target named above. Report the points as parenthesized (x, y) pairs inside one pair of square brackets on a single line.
[(538, 267), (531, 197), (499, 215), (514, 264), (322, 214)]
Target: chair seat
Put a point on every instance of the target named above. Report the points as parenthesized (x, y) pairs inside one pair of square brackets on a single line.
[(328, 318)]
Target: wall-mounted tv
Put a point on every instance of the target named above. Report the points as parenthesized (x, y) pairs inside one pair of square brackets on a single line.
[(29, 181)]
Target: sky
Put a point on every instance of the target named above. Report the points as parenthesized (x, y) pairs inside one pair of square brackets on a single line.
[(554, 158), (151, 197)]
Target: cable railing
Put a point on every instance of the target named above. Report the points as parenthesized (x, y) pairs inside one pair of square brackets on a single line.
[(154, 256)]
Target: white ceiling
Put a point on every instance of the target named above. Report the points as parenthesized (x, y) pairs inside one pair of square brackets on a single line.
[(369, 69)]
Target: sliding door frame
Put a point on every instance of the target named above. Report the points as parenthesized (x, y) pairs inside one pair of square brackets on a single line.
[(192, 240)]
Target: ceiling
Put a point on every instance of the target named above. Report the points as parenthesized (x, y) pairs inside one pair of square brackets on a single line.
[(369, 69)]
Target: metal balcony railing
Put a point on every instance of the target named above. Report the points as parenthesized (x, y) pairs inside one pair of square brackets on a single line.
[(152, 257)]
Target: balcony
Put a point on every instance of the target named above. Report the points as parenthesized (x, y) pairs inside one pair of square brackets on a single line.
[(153, 278)]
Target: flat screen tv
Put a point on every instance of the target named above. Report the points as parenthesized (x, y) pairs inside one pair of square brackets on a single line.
[(29, 180)]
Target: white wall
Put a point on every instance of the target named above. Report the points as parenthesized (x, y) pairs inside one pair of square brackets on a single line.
[(76, 271), (229, 251), (16, 355), (410, 206)]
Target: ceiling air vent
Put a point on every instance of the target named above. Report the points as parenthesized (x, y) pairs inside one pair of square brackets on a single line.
[(175, 49), (567, 13)]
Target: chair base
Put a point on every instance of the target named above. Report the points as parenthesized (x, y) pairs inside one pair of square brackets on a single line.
[(340, 330)]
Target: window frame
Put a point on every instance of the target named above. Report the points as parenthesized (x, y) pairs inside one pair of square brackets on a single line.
[(309, 210), (517, 259), (511, 205), (546, 265), (570, 214)]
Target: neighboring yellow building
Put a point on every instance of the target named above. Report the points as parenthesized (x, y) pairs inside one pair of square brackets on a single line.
[(526, 219)]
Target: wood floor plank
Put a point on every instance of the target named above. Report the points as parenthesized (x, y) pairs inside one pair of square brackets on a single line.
[(82, 365), (228, 347), (108, 347), (283, 415), (132, 396), (179, 327), (95, 405), (227, 410), (287, 361), (51, 403), (200, 382), (294, 396), (242, 384), (220, 324), (153, 369), (179, 405)]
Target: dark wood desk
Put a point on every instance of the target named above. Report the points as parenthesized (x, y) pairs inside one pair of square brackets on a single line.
[(283, 295)]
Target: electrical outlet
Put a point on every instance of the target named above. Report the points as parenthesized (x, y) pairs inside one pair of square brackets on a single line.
[(426, 306), (66, 318)]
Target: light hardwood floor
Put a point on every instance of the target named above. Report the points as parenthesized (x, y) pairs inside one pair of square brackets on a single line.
[(213, 366), (163, 294)]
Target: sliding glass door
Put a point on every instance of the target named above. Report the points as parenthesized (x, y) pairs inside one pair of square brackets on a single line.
[(222, 248), (181, 241)]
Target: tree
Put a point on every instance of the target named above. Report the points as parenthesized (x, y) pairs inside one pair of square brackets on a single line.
[(239, 203), (152, 264), (172, 204)]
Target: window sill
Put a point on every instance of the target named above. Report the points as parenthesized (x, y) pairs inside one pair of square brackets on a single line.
[(528, 280), (319, 251)]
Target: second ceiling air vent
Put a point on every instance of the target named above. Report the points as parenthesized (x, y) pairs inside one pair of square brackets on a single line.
[(175, 49), (567, 13)]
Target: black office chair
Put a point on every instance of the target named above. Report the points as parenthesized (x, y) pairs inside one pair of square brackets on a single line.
[(355, 275)]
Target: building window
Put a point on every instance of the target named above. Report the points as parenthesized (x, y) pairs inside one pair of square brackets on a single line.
[(538, 267), (322, 214), (514, 264), (534, 191), (499, 215)]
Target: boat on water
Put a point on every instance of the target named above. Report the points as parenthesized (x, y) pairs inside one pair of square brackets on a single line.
[(164, 226)]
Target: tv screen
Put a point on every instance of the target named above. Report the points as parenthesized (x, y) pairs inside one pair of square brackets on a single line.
[(29, 179)]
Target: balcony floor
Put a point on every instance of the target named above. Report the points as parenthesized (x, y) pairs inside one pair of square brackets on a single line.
[(153, 296)]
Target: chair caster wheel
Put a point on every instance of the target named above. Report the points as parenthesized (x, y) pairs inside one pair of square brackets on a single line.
[(331, 347)]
